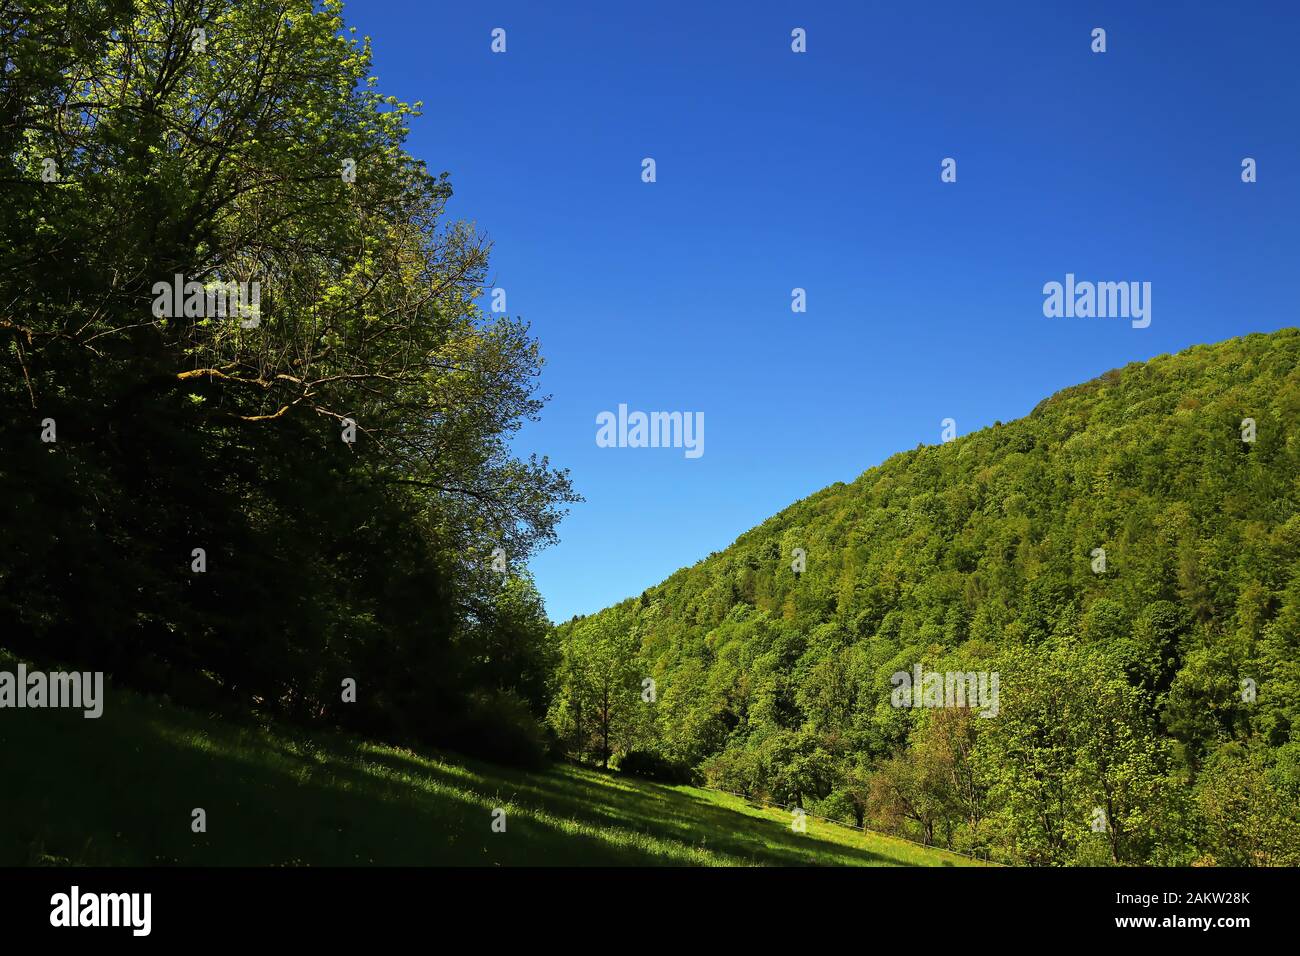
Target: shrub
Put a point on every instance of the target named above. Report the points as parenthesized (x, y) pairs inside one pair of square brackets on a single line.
[(653, 766), (499, 726)]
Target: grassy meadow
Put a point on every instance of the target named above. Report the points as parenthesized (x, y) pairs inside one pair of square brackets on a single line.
[(120, 790)]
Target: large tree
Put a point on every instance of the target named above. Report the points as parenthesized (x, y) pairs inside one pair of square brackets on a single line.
[(341, 453)]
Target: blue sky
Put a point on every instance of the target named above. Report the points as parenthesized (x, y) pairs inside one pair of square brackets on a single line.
[(778, 170)]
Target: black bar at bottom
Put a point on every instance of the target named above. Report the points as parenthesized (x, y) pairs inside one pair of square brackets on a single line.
[(333, 906)]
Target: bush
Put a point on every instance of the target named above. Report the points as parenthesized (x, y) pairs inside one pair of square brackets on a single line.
[(737, 771), (653, 766), (839, 806), (499, 726)]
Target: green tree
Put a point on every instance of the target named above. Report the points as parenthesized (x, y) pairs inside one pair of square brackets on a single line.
[(1071, 759), (599, 700), (215, 141), (1249, 819)]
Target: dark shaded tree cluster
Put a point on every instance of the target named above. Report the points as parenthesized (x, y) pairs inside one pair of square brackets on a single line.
[(340, 455)]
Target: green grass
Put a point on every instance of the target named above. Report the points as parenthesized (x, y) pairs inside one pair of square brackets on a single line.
[(120, 790)]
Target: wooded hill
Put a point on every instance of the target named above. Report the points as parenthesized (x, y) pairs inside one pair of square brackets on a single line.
[(1149, 703)]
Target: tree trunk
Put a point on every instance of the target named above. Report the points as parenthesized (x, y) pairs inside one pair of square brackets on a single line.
[(604, 731)]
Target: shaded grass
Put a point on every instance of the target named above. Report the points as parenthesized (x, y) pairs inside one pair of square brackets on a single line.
[(120, 790)]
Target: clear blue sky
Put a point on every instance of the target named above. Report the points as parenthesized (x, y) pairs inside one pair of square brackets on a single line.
[(821, 171)]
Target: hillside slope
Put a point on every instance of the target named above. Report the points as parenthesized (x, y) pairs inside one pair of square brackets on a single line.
[(120, 790), (1126, 559)]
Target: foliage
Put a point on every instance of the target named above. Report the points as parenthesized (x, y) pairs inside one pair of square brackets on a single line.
[(652, 766), (1126, 688), (209, 140)]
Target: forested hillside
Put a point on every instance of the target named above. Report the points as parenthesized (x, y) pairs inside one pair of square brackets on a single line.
[(1126, 561)]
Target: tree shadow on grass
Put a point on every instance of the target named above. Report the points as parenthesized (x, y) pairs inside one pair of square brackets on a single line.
[(609, 800), (121, 790)]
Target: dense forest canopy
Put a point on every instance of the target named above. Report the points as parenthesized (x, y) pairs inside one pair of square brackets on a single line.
[(260, 503), (1125, 560)]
